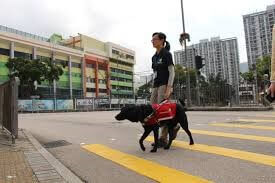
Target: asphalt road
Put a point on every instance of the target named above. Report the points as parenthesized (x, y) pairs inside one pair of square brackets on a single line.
[(213, 157)]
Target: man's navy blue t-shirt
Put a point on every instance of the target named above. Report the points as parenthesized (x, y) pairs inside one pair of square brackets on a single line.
[(160, 63)]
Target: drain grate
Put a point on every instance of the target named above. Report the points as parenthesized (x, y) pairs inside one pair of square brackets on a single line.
[(240, 122), (58, 143)]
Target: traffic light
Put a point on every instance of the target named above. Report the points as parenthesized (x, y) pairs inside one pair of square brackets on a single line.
[(198, 62)]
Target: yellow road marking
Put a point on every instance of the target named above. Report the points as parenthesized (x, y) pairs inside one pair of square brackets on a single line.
[(233, 135), (257, 120), (244, 126), (238, 154), (144, 167), (264, 116)]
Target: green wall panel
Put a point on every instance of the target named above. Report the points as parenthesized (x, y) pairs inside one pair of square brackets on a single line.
[(120, 83), (4, 58), (121, 92), (4, 71), (121, 75), (3, 78)]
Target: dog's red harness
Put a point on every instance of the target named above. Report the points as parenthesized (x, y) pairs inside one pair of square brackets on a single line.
[(163, 111)]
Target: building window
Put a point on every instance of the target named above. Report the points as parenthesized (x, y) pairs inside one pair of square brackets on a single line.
[(4, 51), (90, 89), (130, 57), (101, 67), (61, 62), (121, 63), (102, 90), (102, 81), (23, 55), (90, 65), (90, 80), (115, 52), (76, 65), (42, 57), (121, 71)]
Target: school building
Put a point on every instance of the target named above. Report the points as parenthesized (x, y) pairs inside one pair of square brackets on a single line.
[(92, 68)]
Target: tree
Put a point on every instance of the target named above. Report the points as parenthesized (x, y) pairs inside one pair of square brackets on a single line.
[(263, 67), (216, 91), (29, 71), (248, 76), (181, 75)]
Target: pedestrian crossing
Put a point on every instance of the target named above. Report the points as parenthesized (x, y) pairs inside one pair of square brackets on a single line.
[(242, 155), (144, 167), (257, 120), (233, 135), (164, 174), (258, 127)]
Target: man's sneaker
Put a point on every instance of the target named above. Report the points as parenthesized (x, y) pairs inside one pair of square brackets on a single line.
[(176, 130)]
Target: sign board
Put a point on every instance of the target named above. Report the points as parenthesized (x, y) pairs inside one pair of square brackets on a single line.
[(84, 102)]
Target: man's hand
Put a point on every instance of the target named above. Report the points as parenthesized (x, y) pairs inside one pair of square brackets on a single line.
[(271, 89), (168, 92)]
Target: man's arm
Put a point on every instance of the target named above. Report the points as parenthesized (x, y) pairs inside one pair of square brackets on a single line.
[(171, 70), (168, 91)]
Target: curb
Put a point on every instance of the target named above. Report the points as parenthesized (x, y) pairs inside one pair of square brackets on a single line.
[(230, 108), (67, 175)]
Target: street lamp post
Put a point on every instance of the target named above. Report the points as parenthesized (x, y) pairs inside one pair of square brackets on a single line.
[(187, 65)]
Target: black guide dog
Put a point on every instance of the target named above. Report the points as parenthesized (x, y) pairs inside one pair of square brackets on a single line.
[(139, 112)]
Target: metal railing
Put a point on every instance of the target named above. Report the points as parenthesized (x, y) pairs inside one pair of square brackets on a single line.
[(8, 107), (21, 33), (35, 37), (224, 95)]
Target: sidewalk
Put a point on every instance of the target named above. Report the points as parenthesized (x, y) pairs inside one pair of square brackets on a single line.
[(13, 164), (27, 161)]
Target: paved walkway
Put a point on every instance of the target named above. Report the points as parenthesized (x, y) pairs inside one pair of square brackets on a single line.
[(27, 161)]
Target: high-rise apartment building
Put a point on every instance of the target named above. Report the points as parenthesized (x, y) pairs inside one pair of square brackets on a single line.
[(258, 34), (220, 56)]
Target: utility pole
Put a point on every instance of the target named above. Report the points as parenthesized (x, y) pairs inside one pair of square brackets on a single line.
[(187, 65)]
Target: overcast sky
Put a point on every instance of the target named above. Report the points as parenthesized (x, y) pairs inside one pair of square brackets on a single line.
[(131, 23)]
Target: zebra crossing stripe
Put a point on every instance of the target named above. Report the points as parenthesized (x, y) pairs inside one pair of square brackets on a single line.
[(244, 126), (257, 120), (233, 135), (144, 167), (238, 154)]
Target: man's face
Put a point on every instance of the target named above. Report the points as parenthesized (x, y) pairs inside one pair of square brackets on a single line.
[(156, 41)]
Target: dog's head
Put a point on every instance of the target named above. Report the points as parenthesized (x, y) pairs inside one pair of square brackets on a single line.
[(128, 112)]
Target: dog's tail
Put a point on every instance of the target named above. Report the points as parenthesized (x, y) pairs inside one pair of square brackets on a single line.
[(183, 104)]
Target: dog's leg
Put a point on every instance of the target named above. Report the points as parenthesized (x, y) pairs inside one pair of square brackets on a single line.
[(156, 137), (182, 118), (190, 136), (171, 134), (147, 131)]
